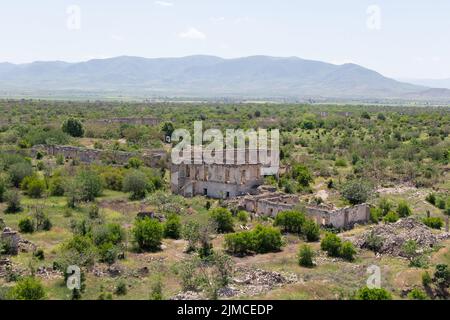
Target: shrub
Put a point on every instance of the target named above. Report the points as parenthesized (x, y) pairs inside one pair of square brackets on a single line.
[(240, 243), (135, 182), (19, 171), (172, 227), (156, 289), (385, 206), (375, 214), (39, 254), (356, 191), (113, 179), (442, 274), (73, 127), (33, 186), (134, 163), (267, 239), (311, 230), (90, 185), (340, 162), (108, 252), (12, 198), (305, 256), (242, 216), (290, 221), (302, 175), (57, 185), (148, 234), (391, 217), (223, 219), (28, 288), (121, 289), (426, 279), (260, 240), (331, 243), (373, 294), (2, 189), (110, 233), (417, 294), (403, 210), (374, 242), (433, 222), (431, 198), (347, 251)]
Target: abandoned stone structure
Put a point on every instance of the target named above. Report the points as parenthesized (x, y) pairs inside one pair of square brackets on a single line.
[(11, 238), (133, 121), (215, 180), (270, 204), (152, 158), (220, 181)]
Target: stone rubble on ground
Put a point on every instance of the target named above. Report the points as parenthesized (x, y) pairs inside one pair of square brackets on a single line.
[(394, 235)]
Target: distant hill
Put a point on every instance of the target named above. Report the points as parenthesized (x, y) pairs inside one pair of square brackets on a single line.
[(209, 76), (435, 83)]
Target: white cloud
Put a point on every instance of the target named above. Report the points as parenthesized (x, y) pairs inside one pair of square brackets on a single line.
[(164, 3), (192, 33), (217, 19), (116, 37)]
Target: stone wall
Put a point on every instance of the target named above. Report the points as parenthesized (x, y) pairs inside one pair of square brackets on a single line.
[(12, 239), (270, 204), (151, 158)]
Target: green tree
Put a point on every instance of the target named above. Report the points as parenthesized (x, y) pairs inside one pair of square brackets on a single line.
[(302, 175), (417, 294), (135, 182), (148, 234), (26, 225), (223, 219), (355, 191), (19, 171), (290, 221), (73, 127), (90, 185), (267, 239), (305, 256), (12, 198)]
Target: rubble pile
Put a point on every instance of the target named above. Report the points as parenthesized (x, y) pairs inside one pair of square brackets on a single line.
[(247, 282), (394, 235)]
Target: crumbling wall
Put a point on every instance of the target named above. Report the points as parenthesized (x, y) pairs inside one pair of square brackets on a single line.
[(11, 238), (152, 158)]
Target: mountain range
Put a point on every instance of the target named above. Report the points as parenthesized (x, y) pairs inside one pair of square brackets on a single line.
[(210, 76)]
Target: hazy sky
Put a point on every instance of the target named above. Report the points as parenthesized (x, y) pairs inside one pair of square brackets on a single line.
[(399, 38)]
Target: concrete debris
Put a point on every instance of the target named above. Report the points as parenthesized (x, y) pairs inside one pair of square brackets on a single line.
[(394, 235)]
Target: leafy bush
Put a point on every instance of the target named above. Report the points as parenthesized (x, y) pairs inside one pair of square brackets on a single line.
[(260, 240), (57, 185), (391, 217), (113, 179), (431, 198), (290, 221), (136, 183), (73, 127), (148, 234), (356, 191), (19, 171), (385, 206), (242, 216), (223, 219), (374, 242), (110, 233), (90, 184), (305, 256), (373, 294), (121, 289), (433, 222), (33, 186), (331, 243), (347, 251), (426, 279), (28, 288), (172, 227), (302, 175), (403, 209), (311, 230), (3, 188), (12, 198), (417, 294)]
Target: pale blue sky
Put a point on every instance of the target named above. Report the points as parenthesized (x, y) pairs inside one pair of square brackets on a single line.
[(412, 42)]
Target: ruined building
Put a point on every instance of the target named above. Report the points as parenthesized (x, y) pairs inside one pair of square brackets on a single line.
[(220, 181), (271, 203)]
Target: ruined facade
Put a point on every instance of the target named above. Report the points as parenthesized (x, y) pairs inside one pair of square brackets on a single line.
[(270, 204), (215, 180), (11, 238), (151, 158)]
